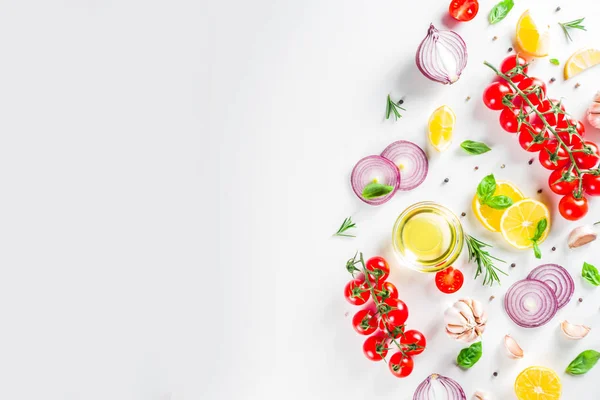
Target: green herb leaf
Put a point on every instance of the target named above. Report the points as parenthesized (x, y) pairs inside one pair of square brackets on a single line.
[(392, 107), (540, 229), (347, 224), (474, 148), (590, 274), (374, 190), (536, 250), (499, 202), (575, 24), (583, 362), (554, 61), (500, 11), (484, 261), (469, 356), (486, 188)]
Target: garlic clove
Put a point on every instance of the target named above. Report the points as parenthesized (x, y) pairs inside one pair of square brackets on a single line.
[(581, 235), (593, 113), (513, 347), (574, 332), (479, 395)]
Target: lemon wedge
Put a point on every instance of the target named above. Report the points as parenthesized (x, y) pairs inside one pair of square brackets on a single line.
[(441, 127), (538, 383), (490, 217), (533, 36), (580, 61), (519, 222)]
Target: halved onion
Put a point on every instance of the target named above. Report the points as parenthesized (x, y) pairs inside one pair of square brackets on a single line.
[(436, 385), (442, 55), (559, 280), (530, 303), (374, 169), (411, 160)]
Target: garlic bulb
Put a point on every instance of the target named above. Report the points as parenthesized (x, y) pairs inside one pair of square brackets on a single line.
[(513, 347), (593, 113), (479, 395), (465, 320), (580, 236), (575, 332)]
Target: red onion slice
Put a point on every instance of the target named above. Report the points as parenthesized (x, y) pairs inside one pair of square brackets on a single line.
[(559, 280), (437, 385), (374, 168), (530, 303), (411, 160), (442, 56)]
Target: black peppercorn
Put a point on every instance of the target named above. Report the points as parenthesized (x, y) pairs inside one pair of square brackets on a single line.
[(539, 190), (552, 80), (476, 168), (446, 180), (531, 161), (580, 300), (558, 9), (513, 265), (400, 102), (553, 248), (495, 373), (463, 214)]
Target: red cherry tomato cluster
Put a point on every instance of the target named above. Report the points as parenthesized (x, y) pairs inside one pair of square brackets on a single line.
[(383, 319), (573, 162)]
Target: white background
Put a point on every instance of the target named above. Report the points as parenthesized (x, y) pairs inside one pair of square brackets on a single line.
[(171, 174)]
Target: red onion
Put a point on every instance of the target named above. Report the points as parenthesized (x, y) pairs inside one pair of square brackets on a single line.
[(559, 280), (436, 385), (410, 160), (374, 168), (442, 55), (530, 303)]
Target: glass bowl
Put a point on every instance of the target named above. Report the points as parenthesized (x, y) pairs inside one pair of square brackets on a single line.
[(427, 237)]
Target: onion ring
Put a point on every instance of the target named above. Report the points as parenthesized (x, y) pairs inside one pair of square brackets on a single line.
[(411, 160), (559, 280), (426, 391), (530, 303), (374, 168)]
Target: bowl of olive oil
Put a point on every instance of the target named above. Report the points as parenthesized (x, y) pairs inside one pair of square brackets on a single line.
[(427, 237)]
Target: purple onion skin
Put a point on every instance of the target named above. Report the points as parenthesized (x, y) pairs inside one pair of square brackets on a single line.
[(559, 280), (517, 311), (453, 389), (453, 42), (417, 155)]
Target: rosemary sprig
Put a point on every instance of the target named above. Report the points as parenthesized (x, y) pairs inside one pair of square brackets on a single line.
[(347, 224), (484, 260), (393, 107), (575, 24)]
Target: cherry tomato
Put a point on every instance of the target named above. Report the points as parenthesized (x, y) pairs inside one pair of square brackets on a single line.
[(400, 365), (509, 63), (378, 268), (553, 156), (550, 110), (365, 322), (494, 93), (591, 184), (537, 88), (567, 128), (375, 347), (449, 280), (533, 139), (508, 119), (573, 208), (356, 292), (586, 154), (559, 186), (463, 10), (386, 290), (413, 342), (394, 314)]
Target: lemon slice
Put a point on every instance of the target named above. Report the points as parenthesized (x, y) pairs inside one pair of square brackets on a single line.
[(519, 221), (490, 217), (580, 61), (533, 37), (538, 383), (441, 126)]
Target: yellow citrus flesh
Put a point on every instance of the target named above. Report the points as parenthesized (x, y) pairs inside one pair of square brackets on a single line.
[(580, 61), (441, 126), (533, 37), (519, 222), (490, 217), (538, 383)]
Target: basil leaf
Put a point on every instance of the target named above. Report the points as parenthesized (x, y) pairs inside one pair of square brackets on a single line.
[(590, 274), (474, 148), (536, 250), (486, 188), (500, 11), (554, 61), (469, 356), (583, 362), (374, 190), (499, 202), (539, 229)]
